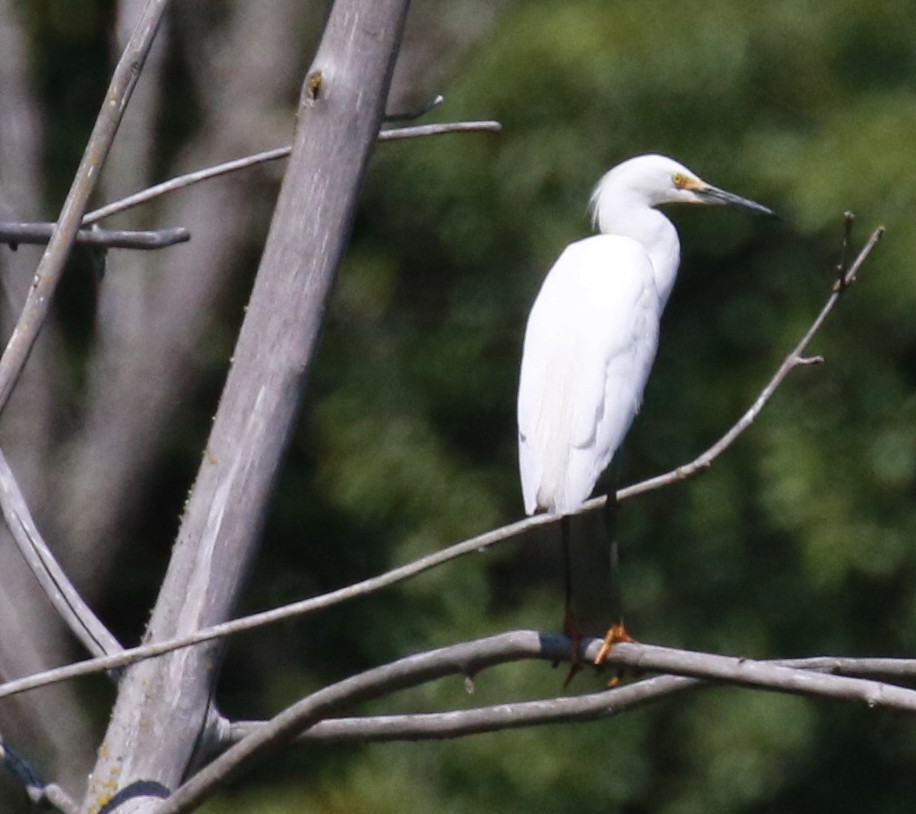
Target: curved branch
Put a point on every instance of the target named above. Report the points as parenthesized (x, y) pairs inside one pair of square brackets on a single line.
[(469, 658), (496, 718), (60, 592), (445, 725)]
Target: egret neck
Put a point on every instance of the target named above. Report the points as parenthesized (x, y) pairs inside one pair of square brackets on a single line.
[(630, 214)]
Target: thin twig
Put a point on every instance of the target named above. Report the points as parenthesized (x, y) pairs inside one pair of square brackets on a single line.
[(52, 262), (37, 790), (60, 592), (237, 164), (40, 233)]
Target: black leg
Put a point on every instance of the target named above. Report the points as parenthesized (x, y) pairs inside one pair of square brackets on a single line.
[(567, 572), (611, 509), (570, 625)]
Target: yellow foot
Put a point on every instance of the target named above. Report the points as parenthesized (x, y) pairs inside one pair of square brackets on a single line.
[(618, 633)]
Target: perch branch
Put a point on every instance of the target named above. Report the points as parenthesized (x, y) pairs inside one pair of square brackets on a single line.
[(469, 658), (237, 164), (453, 724), (458, 723), (52, 262), (53, 581), (41, 233)]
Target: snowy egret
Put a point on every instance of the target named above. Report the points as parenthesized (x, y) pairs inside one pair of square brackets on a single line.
[(593, 331)]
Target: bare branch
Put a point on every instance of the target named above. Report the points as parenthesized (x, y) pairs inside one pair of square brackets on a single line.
[(52, 262), (182, 181), (470, 658), (364, 588), (39, 792), (53, 581), (790, 362), (454, 724), (528, 645), (40, 233), (497, 718), (464, 659), (780, 675)]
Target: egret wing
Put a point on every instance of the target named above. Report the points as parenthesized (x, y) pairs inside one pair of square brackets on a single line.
[(589, 345)]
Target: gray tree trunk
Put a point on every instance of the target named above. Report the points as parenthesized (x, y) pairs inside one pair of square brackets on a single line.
[(162, 704)]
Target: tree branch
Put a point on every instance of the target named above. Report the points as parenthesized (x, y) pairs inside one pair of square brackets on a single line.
[(60, 592), (459, 723), (793, 360), (496, 718), (470, 658), (41, 233), (52, 262), (182, 181)]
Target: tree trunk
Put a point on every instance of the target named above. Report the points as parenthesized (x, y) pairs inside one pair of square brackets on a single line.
[(162, 704)]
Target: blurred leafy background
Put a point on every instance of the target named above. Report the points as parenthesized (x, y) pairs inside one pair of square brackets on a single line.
[(799, 541)]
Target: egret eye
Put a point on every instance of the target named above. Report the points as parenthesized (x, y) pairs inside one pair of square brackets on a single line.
[(679, 180)]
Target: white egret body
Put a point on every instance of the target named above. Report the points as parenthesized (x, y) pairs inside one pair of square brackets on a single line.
[(593, 330)]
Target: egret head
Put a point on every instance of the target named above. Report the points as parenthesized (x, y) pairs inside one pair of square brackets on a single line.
[(652, 180)]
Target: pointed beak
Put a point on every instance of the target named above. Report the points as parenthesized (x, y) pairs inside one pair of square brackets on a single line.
[(708, 194)]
